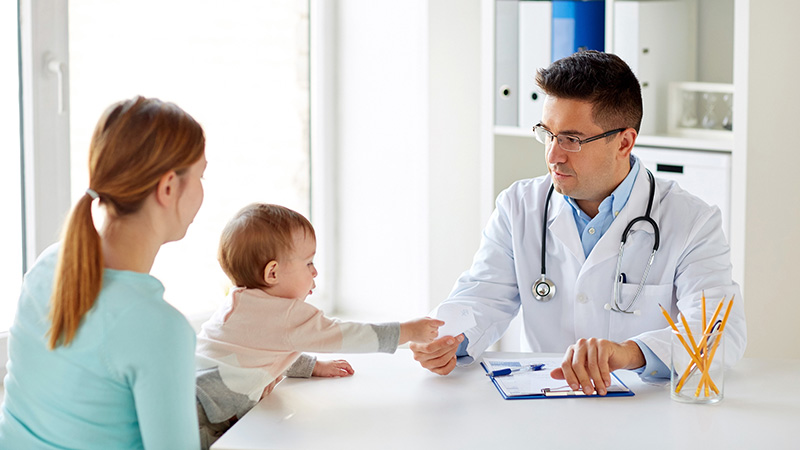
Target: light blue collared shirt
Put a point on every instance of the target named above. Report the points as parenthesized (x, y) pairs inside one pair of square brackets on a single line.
[(591, 229)]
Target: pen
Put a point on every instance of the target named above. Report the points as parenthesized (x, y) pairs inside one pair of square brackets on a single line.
[(504, 372)]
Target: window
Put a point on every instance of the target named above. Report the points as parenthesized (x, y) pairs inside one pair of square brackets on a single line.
[(10, 169), (241, 69)]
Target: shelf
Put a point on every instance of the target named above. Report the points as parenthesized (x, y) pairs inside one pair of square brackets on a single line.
[(662, 141), (688, 143)]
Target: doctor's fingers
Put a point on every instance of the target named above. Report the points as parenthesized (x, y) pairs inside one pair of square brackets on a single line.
[(438, 356), (440, 347), (579, 375), (566, 369), (597, 365), (441, 364)]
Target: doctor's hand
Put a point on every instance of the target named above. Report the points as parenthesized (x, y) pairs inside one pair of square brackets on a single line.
[(589, 362), (438, 356)]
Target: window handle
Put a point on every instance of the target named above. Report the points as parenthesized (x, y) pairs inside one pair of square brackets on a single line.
[(56, 67)]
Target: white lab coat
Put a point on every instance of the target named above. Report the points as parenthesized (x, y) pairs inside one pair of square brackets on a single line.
[(693, 257)]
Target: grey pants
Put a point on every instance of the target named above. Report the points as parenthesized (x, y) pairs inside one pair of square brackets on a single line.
[(210, 432)]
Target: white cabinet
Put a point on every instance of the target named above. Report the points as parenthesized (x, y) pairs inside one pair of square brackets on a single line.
[(703, 173)]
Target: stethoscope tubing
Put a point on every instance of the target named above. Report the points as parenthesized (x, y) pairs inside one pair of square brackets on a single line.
[(544, 289)]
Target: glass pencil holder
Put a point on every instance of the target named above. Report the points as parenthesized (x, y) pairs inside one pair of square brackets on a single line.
[(697, 368)]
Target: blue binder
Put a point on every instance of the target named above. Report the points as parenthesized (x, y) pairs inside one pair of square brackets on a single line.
[(577, 26)]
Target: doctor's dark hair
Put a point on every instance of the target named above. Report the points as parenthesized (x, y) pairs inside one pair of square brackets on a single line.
[(135, 143), (604, 80), (257, 234)]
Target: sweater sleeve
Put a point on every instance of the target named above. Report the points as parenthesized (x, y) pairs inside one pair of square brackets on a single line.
[(310, 330), (303, 367), (151, 349)]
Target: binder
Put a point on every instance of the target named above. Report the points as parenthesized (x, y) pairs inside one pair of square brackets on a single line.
[(535, 33), (577, 26), (506, 63), (639, 28), (539, 385)]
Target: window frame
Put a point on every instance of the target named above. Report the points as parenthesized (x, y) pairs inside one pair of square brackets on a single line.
[(44, 124)]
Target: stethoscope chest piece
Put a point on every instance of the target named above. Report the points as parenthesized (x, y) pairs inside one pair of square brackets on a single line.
[(543, 289)]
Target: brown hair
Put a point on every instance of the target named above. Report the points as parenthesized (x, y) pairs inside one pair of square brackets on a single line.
[(258, 234), (602, 79), (134, 144)]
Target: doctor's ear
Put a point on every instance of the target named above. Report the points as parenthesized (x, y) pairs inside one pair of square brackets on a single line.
[(271, 273), (627, 139)]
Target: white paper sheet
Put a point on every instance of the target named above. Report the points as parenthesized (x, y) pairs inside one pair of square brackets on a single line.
[(457, 319)]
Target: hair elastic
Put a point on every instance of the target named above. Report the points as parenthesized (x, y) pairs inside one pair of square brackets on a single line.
[(92, 194)]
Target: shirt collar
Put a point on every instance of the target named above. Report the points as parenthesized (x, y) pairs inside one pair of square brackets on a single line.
[(618, 198)]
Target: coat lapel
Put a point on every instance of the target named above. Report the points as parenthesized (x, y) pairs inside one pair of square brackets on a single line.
[(608, 245), (563, 229)]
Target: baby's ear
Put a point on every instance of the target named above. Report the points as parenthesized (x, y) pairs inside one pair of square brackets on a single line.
[(271, 273)]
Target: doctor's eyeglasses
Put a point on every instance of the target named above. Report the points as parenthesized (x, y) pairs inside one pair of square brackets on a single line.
[(565, 141)]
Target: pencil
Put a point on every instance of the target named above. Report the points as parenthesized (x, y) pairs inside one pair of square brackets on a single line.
[(706, 378), (704, 311), (706, 334), (688, 331), (680, 336)]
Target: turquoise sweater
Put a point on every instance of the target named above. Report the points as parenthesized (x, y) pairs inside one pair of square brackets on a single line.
[(127, 380)]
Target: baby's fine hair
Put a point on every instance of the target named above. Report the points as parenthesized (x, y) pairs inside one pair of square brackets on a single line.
[(257, 234)]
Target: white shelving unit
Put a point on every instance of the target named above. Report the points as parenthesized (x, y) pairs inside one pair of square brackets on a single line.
[(513, 153), (763, 222), (509, 148)]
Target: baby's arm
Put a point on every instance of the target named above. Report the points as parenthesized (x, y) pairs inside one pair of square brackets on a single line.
[(337, 368), (420, 330)]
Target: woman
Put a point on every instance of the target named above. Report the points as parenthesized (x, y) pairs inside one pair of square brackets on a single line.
[(97, 358)]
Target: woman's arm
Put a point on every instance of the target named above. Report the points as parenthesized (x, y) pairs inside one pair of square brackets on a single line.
[(152, 350)]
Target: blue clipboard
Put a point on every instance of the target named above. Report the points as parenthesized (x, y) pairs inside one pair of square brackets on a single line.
[(615, 390)]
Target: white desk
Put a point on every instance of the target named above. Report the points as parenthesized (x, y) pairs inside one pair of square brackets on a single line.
[(391, 402)]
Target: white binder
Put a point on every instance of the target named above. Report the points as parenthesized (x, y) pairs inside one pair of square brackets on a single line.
[(535, 37), (639, 30), (506, 69)]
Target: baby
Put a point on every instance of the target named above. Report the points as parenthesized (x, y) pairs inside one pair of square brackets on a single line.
[(247, 346)]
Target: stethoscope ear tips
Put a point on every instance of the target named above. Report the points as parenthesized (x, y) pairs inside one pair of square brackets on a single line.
[(635, 312)]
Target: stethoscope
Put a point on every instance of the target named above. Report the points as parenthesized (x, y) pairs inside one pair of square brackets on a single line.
[(543, 289)]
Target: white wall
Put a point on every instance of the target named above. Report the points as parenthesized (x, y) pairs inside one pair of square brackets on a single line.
[(454, 117), (764, 177), (407, 214)]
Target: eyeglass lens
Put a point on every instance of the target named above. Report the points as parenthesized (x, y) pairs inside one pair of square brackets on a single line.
[(568, 143)]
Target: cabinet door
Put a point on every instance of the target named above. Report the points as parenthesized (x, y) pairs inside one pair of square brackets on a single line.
[(702, 173)]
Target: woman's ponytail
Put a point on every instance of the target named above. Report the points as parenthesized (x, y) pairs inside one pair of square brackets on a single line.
[(79, 274)]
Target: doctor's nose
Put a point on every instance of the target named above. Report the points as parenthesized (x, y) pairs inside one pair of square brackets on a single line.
[(554, 153)]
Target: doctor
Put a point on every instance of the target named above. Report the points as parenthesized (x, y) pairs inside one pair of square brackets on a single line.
[(566, 290)]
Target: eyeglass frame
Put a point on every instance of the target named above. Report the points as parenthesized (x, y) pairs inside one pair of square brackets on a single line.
[(580, 141)]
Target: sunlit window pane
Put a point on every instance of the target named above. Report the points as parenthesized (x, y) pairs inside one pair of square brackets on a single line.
[(240, 68)]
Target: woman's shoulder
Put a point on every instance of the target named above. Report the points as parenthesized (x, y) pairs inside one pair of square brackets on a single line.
[(132, 297)]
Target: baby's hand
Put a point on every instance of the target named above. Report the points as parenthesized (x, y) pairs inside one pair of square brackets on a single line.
[(421, 330), (337, 368), (271, 386)]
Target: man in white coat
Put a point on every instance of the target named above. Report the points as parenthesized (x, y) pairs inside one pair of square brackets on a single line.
[(590, 122)]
